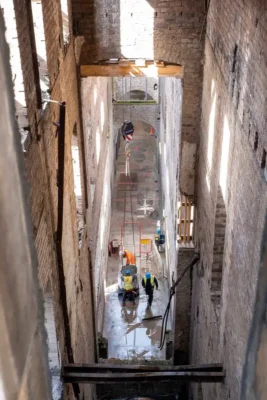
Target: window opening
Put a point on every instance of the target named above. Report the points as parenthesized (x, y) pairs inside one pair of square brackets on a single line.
[(53, 348), (7, 8), (38, 23), (65, 20), (77, 184)]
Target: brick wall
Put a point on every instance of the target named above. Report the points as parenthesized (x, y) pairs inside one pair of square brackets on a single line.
[(41, 167), (54, 36), (155, 29), (24, 366), (230, 158)]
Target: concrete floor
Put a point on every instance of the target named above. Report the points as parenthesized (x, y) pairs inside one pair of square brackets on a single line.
[(128, 337)]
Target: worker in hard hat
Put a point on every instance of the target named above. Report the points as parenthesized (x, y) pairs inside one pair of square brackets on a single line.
[(130, 258), (128, 288), (148, 283)]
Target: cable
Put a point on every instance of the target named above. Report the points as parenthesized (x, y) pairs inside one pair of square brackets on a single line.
[(132, 219)]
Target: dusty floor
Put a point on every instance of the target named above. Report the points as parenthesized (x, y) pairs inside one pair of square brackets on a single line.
[(139, 196)]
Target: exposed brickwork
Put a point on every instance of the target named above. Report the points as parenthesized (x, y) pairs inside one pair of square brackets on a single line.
[(54, 36), (155, 29), (230, 154), (24, 366), (41, 166)]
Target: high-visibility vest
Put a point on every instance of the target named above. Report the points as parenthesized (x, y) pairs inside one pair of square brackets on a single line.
[(151, 280), (128, 280)]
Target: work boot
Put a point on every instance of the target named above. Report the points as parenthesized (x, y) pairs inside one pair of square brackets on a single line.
[(134, 303), (123, 304)]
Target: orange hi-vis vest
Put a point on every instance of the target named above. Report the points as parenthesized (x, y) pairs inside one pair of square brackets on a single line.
[(128, 280), (130, 258)]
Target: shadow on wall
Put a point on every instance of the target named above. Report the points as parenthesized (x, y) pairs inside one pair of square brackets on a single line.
[(218, 247)]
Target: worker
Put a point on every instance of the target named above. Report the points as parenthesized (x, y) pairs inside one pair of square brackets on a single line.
[(148, 283), (128, 288), (130, 258)]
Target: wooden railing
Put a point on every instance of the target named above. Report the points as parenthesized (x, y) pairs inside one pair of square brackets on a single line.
[(185, 221)]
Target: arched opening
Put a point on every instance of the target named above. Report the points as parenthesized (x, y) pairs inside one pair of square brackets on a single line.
[(137, 95)]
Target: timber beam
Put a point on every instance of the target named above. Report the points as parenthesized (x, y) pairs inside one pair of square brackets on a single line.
[(134, 68), (106, 373)]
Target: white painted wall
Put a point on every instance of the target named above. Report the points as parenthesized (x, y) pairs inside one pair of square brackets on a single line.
[(169, 154)]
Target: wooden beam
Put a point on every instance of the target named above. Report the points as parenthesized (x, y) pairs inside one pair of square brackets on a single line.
[(104, 378), (150, 70), (84, 368)]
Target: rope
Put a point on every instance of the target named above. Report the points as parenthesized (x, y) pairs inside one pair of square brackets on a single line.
[(124, 213), (132, 219)]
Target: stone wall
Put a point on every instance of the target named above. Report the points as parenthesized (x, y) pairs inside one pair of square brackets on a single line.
[(231, 174), (154, 29)]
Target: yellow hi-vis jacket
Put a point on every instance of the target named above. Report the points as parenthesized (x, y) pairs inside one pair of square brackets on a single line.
[(128, 280), (151, 280)]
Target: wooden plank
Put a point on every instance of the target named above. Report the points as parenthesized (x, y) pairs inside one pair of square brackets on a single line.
[(130, 69)]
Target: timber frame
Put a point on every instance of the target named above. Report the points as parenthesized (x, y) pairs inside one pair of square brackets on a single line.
[(132, 67)]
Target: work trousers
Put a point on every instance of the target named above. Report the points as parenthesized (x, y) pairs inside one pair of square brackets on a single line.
[(129, 294), (150, 297)]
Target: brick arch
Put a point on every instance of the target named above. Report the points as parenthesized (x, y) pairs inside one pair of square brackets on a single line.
[(136, 95)]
